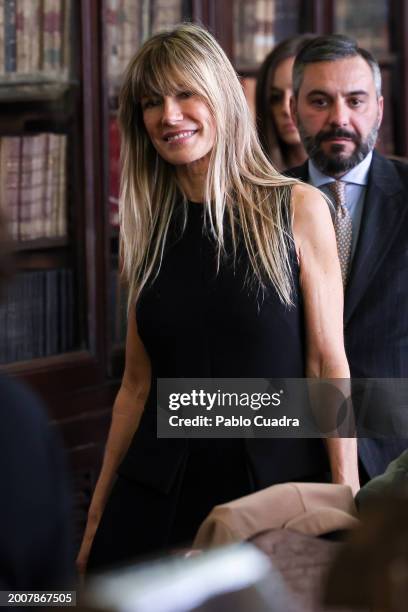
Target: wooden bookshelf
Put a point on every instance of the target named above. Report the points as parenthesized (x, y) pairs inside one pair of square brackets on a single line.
[(388, 42), (41, 244), (43, 259)]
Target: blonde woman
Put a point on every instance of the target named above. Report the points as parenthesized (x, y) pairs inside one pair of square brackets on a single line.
[(233, 272)]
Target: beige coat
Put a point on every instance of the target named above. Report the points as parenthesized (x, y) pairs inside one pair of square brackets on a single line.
[(309, 508)]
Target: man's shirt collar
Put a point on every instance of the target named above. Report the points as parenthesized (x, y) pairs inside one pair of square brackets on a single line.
[(357, 175)]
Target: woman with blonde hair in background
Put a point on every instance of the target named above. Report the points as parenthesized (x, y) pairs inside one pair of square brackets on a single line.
[(233, 272), (277, 132)]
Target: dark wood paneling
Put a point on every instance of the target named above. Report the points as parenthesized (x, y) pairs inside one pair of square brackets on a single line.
[(88, 428), (320, 16), (217, 17), (399, 44), (96, 206)]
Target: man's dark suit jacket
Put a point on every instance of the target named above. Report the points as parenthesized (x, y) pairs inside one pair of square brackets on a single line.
[(376, 296)]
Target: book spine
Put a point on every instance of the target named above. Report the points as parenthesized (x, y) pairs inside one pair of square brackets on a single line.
[(51, 190), (10, 182), (37, 229), (269, 28), (66, 307), (51, 19), (12, 329), (286, 19), (10, 44), (166, 14), (33, 308), (51, 313), (58, 23), (22, 40), (130, 31), (65, 39), (62, 188), (34, 38), (2, 37), (25, 181), (113, 43), (145, 31), (47, 194)]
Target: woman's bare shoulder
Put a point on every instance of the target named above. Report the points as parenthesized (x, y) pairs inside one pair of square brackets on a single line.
[(307, 201), (312, 221)]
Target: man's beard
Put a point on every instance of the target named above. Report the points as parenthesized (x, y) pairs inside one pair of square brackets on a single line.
[(336, 163)]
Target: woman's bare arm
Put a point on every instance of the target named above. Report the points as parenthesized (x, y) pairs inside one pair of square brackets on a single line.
[(127, 411), (322, 291)]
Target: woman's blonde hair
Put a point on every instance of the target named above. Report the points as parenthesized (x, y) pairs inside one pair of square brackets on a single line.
[(242, 187)]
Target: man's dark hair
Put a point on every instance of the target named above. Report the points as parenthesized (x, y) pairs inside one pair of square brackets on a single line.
[(329, 49)]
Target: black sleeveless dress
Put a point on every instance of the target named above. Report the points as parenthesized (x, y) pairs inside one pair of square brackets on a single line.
[(195, 322)]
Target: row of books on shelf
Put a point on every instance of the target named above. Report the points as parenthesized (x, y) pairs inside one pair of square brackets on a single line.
[(38, 311), (33, 185), (37, 315), (34, 40), (128, 23), (369, 25), (259, 25)]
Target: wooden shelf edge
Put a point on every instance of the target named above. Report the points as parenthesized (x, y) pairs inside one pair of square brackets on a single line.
[(40, 244), (72, 359), (31, 89)]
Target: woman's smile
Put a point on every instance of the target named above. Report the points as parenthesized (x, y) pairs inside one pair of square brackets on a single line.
[(180, 126)]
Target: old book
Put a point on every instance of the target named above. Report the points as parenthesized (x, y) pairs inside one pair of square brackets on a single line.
[(165, 14), (51, 39), (22, 51), (122, 36), (22, 318), (10, 155), (2, 64), (287, 14), (61, 229), (54, 204), (27, 36), (263, 36), (51, 312), (66, 50), (145, 20), (51, 185), (32, 188), (34, 36), (112, 43), (368, 24), (10, 47), (66, 306)]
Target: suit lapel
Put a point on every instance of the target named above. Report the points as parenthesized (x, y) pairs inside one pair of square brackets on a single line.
[(383, 211), (384, 208)]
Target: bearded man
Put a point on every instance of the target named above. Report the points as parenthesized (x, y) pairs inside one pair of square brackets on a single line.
[(338, 108)]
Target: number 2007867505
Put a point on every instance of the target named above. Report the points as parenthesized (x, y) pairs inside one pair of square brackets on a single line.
[(37, 598)]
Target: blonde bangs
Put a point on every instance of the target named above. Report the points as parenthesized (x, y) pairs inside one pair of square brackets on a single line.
[(165, 69)]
